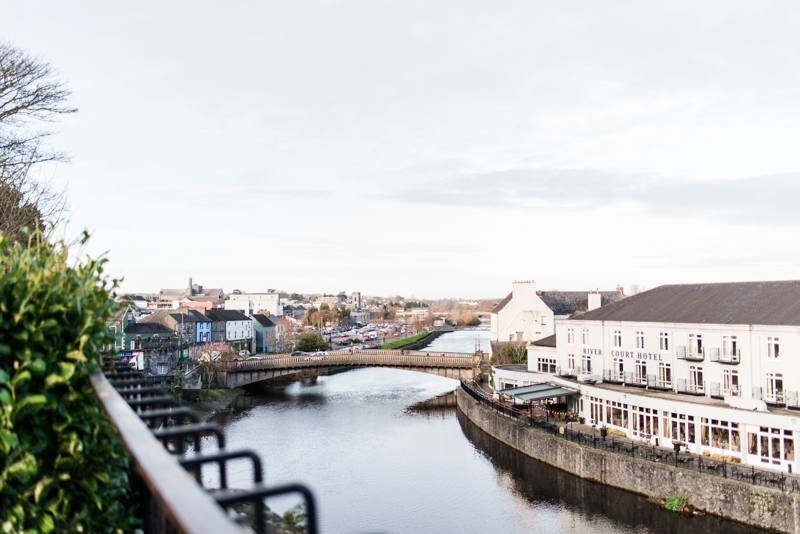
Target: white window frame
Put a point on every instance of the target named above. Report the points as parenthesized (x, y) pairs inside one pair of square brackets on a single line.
[(570, 336), (696, 379), (585, 337), (547, 365), (586, 363), (641, 371), (617, 370), (695, 347), (773, 347), (729, 346), (665, 374), (639, 340), (663, 341), (617, 338), (730, 383), (571, 362), (774, 391)]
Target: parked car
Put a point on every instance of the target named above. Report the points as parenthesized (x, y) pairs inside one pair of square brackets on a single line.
[(253, 358), (320, 353), (299, 353), (244, 352)]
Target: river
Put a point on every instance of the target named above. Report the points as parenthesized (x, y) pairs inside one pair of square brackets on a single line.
[(386, 451)]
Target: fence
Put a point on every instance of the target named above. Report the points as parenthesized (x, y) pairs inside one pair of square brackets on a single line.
[(154, 427), (750, 474), (359, 357)]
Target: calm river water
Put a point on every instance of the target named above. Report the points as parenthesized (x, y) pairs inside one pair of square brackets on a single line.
[(386, 451)]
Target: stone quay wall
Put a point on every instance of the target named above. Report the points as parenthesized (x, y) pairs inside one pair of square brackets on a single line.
[(755, 505)]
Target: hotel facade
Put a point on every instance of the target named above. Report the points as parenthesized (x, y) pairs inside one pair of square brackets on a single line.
[(715, 366)]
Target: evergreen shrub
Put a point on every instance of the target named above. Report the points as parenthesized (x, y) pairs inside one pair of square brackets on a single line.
[(62, 465)]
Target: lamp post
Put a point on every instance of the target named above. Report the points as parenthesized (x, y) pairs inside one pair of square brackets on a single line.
[(723, 443)]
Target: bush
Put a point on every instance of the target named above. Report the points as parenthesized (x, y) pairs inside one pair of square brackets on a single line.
[(311, 342), (511, 353), (62, 466)]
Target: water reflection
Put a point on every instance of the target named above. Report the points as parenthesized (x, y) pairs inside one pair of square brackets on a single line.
[(384, 451), (577, 500)]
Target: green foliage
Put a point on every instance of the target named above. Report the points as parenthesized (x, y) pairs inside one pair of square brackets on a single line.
[(311, 342), (324, 307), (62, 465), (676, 502), (510, 353), (296, 518), (399, 343), (414, 304)]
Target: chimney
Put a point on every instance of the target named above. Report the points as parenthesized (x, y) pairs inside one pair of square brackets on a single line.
[(525, 293), (620, 289), (190, 287), (594, 301)]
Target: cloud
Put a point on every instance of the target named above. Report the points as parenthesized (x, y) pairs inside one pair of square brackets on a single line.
[(760, 200)]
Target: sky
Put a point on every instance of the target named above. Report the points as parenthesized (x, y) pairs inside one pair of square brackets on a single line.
[(434, 149)]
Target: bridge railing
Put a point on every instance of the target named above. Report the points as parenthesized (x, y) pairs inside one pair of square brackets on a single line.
[(171, 494), (356, 358)]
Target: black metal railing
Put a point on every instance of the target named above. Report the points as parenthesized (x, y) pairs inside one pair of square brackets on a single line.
[(173, 496), (695, 462)]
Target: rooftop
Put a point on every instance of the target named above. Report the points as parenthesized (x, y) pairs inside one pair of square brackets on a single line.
[(745, 303)]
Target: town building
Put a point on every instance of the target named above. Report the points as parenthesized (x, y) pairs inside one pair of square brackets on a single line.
[(527, 315), (192, 292), (188, 326), (251, 303), (233, 328), (117, 323), (136, 333), (712, 366)]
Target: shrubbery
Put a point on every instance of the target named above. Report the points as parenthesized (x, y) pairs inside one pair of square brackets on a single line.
[(311, 342), (62, 466)]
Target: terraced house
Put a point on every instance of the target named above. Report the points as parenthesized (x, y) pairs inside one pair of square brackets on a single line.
[(714, 366)]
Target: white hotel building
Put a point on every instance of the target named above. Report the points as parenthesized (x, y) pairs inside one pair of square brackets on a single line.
[(716, 366)]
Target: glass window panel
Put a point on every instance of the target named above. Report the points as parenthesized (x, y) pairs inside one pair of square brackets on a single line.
[(788, 449)]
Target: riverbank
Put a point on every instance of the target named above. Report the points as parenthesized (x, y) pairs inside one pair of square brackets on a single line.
[(213, 401), (731, 499)]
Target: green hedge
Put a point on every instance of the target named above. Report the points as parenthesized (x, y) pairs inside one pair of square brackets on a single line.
[(62, 466), (399, 343)]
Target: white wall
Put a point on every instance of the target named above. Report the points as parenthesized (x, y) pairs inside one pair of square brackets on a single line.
[(524, 313)]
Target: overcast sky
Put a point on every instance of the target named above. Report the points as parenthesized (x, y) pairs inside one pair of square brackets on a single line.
[(427, 148)]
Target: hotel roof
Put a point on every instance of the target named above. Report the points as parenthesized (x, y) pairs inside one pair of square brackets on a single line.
[(745, 303)]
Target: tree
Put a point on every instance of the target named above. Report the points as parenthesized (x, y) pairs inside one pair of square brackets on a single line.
[(295, 296), (307, 318), (344, 315), (429, 318), (212, 359), (30, 94), (324, 306), (636, 289), (416, 325), (280, 340), (511, 353), (311, 342), (236, 292)]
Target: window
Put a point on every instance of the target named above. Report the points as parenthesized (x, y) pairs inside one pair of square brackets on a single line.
[(730, 383), (664, 375), (586, 363), (720, 434), (774, 387), (695, 345), (641, 371), (511, 337), (695, 379), (772, 347), (162, 369), (617, 338), (571, 362), (570, 336), (585, 336), (544, 319), (639, 340), (767, 444), (616, 370), (729, 346), (645, 422), (547, 365), (663, 341), (519, 335)]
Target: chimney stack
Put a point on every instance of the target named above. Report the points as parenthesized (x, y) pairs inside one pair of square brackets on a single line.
[(594, 301), (190, 287)]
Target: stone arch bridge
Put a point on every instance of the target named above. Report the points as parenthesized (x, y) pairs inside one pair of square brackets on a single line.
[(457, 365)]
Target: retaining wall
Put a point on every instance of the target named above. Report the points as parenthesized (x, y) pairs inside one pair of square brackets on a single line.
[(755, 505)]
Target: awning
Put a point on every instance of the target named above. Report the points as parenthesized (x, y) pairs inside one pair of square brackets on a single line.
[(537, 392)]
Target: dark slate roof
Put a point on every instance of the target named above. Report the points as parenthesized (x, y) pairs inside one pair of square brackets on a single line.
[(503, 303), (191, 317), (155, 317), (549, 341), (263, 319), (745, 303), (227, 315), (118, 315), (147, 328), (571, 302)]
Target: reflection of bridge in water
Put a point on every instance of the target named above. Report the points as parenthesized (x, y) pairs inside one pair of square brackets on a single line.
[(456, 365), (443, 405)]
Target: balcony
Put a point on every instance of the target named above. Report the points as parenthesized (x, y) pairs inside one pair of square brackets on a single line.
[(682, 353), (682, 386), (733, 357), (632, 379), (615, 377), (775, 397)]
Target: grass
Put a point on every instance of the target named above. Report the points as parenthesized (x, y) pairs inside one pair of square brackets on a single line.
[(399, 343)]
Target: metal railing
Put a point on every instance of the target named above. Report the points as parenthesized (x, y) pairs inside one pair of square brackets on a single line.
[(695, 462), (733, 358), (173, 498)]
